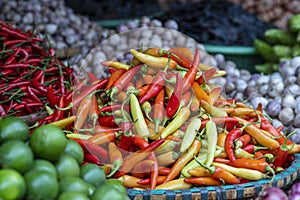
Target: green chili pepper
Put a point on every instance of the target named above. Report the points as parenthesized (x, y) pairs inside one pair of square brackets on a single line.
[(190, 134), (138, 117)]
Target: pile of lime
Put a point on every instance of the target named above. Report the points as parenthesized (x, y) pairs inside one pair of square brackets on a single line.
[(46, 165)]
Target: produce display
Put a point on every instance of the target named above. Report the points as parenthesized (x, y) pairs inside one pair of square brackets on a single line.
[(148, 111), (63, 28), (31, 76), (156, 115), (219, 24), (278, 45), (278, 92), (46, 165)]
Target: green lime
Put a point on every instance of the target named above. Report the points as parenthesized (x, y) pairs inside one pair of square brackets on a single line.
[(71, 195), (44, 165), (73, 183), (93, 174), (74, 150), (41, 185), (17, 155), (12, 185), (48, 142), (117, 184), (13, 128), (106, 191), (67, 166)]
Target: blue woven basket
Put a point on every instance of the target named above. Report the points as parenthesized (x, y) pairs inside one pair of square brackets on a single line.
[(239, 191)]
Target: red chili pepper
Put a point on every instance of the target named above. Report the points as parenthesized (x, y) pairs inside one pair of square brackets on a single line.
[(139, 142), (22, 106), (179, 58), (190, 76), (92, 77), (101, 153), (6, 72), (126, 141), (267, 126), (50, 97), (108, 121), (251, 148), (96, 86), (90, 158), (132, 159), (59, 113), (36, 84), (155, 87), (219, 121), (36, 99), (243, 140), (114, 107), (13, 56), (147, 181), (14, 85), (175, 98), (25, 54), (229, 142), (14, 33), (123, 80), (282, 152)]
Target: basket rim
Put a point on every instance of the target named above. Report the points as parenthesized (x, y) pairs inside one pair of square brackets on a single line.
[(233, 50), (285, 177)]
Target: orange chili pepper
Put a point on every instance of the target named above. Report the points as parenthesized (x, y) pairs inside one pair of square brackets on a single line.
[(159, 111), (116, 158), (104, 137), (221, 139), (257, 134), (200, 93), (199, 171), (132, 182), (115, 76), (183, 160), (83, 110)]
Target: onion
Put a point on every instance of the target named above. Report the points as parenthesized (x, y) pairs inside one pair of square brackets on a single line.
[(272, 193), (273, 108)]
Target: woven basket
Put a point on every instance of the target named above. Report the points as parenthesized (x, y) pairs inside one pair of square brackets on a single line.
[(244, 57), (240, 191)]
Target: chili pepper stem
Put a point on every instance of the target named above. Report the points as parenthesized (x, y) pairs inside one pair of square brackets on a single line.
[(116, 166)]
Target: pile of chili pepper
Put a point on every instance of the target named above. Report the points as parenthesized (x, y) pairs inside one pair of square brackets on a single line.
[(31, 77), (158, 123)]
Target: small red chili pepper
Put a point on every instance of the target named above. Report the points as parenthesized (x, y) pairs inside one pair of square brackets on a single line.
[(126, 141), (50, 97), (282, 152), (174, 101), (96, 86), (13, 56), (229, 142), (132, 159), (90, 158), (101, 153), (123, 80), (139, 142), (242, 141), (59, 112), (14, 33), (251, 148), (108, 121), (155, 87), (147, 181), (36, 99), (267, 126), (220, 121), (2, 111), (190, 76)]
